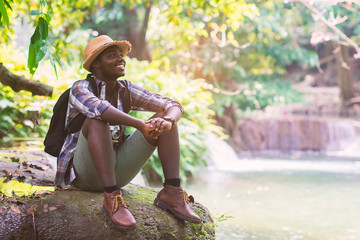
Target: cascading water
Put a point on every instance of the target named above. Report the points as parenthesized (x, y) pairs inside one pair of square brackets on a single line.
[(297, 134), (344, 136)]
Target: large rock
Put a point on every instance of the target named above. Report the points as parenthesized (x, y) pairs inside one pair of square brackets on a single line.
[(71, 214)]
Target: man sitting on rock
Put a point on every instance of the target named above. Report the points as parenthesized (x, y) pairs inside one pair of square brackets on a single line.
[(101, 157)]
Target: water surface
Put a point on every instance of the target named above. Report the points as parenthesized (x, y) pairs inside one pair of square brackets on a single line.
[(283, 203)]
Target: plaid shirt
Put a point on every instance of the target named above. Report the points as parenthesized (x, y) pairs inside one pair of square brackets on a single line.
[(82, 100)]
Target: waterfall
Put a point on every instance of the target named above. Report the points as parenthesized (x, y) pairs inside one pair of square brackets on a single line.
[(321, 135)]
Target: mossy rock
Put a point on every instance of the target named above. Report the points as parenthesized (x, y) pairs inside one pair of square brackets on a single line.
[(70, 214)]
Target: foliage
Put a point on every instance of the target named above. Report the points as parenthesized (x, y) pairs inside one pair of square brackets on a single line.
[(210, 33), (223, 218), (15, 188), (263, 91), (20, 115), (39, 46), (44, 14), (4, 4), (56, 34), (207, 39), (18, 110), (197, 119), (235, 59)]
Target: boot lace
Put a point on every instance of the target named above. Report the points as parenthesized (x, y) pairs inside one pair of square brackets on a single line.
[(186, 198), (118, 201)]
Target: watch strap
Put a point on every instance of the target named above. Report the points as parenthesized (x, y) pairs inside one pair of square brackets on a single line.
[(170, 119)]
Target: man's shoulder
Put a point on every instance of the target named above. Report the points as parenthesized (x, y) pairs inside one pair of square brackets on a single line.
[(81, 87), (80, 82), (86, 82)]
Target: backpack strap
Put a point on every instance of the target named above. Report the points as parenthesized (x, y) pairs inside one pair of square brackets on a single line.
[(76, 124), (93, 85)]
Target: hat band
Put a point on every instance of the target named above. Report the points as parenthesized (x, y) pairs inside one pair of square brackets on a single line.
[(100, 47)]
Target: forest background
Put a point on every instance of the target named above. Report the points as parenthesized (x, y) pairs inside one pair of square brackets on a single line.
[(221, 59)]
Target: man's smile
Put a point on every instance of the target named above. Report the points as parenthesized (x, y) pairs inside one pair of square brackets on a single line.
[(120, 65)]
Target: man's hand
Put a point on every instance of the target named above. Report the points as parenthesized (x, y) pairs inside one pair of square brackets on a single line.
[(159, 125), (147, 130)]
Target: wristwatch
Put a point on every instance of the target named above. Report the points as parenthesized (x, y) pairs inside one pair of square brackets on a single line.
[(170, 119)]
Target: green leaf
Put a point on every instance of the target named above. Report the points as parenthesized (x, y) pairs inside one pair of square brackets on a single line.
[(14, 187), (8, 4), (38, 45), (43, 28), (32, 51), (47, 18), (15, 159), (42, 51), (3, 12)]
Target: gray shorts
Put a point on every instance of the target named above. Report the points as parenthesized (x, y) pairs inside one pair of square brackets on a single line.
[(129, 159)]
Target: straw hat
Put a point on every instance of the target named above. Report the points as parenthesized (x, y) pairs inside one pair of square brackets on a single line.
[(98, 44)]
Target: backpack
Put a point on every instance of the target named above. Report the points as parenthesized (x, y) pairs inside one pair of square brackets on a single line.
[(57, 132)]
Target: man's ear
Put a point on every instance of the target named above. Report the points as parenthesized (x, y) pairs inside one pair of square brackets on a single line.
[(95, 64)]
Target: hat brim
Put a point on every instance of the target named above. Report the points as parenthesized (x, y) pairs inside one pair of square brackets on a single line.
[(125, 47)]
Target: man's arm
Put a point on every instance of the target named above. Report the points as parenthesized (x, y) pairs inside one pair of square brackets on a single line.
[(115, 116), (174, 112), (143, 100)]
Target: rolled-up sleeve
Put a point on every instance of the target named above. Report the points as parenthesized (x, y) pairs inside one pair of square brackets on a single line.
[(84, 101), (143, 100)]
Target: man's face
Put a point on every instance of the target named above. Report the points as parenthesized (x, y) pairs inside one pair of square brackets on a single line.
[(111, 62)]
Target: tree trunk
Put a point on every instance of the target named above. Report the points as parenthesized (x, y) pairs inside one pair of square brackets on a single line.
[(73, 214), (136, 36), (18, 83), (345, 77)]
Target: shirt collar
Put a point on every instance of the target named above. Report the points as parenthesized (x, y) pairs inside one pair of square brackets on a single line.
[(102, 87), (98, 81)]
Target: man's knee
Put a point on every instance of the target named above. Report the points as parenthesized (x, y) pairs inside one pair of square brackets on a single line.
[(151, 141), (96, 125)]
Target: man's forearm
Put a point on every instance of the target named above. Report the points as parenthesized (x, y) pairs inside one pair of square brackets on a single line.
[(115, 116), (174, 112)]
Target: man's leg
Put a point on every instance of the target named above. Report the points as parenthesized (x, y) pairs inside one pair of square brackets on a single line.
[(100, 147), (172, 197), (169, 153), (98, 136)]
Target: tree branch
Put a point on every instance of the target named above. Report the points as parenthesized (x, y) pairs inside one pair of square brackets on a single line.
[(332, 26), (4, 134), (18, 83)]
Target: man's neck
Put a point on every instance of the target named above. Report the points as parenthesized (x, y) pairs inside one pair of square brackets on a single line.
[(111, 83), (110, 86)]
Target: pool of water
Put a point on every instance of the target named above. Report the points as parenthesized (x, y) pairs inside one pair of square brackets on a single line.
[(282, 203)]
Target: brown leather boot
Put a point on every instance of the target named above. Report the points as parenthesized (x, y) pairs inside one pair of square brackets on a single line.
[(175, 200), (116, 210)]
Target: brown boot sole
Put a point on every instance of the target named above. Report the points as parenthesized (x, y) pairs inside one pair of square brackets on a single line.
[(164, 206), (118, 226)]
